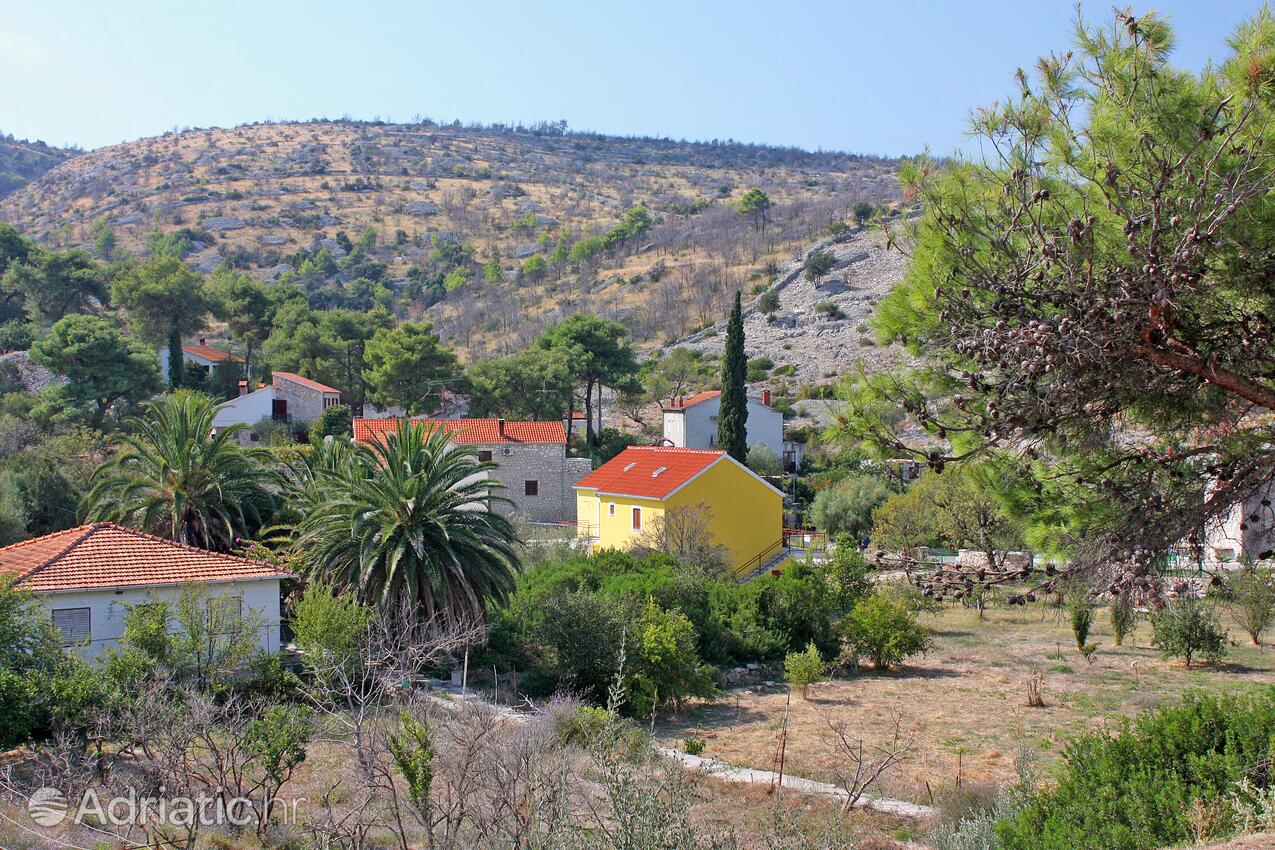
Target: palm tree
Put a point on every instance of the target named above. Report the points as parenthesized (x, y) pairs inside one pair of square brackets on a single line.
[(177, 476), (407, 520)]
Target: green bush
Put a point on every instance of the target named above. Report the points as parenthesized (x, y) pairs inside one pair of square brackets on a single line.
[(1124, 617), (336, 421), (805, 668), (819, 263), (1249, 595), (1188, 628), (884, 629), (1080, 610), (1133, 790), (693, 746), (768, 303)]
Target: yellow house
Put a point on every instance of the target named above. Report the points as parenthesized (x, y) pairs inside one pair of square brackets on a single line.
[(629, 494)]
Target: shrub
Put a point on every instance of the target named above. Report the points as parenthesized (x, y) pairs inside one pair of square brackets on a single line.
[(1186, 628), (805, 668), (668, 668), (692, 745), (336, 421), (768, 303), (328, 626), (846, 507), (819, 263), (884, 629), (1124, 617), (1080, 610), (1250, 597), (1134, 790), (763, 460)]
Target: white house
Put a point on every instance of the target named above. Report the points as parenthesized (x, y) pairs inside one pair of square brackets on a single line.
[(690, 422), (88, 578), (291, 397), (205, 355), (1247, 530)]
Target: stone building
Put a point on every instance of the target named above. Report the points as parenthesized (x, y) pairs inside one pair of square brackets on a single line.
[(206, 356), (531, 461), (290, 398)]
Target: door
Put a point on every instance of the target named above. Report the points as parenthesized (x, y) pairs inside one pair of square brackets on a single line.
[(279, 410)]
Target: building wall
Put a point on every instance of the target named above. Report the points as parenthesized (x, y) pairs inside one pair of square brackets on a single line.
[(1226, 541), (615, 528), (187, 357), (747, 516), (108, 609), (545, 463), (248, 409), (304, 403), (696, 426)]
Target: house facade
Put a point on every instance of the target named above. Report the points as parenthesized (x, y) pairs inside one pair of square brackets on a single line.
[(530, 458), (690, 422), (630, 494), (290, 398), (1237, 536), (88, 578), (206, 356)]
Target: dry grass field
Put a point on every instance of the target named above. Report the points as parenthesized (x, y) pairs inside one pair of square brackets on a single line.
[(965, 700)]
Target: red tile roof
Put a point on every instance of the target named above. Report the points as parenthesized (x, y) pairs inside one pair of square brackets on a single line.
[(105, 555), (306, 382), (209, 353), (632, 471), (682, 402), (470, 430)]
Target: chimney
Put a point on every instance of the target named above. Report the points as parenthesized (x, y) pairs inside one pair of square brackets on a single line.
[(500, 428), (243, 387), (765, 397), (201, 340)]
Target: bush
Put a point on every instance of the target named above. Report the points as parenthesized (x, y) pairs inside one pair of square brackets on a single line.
[(1186, 628), (846, 507), (1249, 593), (336, 421), (768, 303), (693, 746), (1134, 790), (1080, 610), (1124, 618), (884, 629), (328, 627), (763, 460), (819, 263), (805, 668)]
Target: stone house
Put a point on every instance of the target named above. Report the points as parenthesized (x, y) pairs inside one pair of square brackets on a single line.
[(531, 461), (290, 398)]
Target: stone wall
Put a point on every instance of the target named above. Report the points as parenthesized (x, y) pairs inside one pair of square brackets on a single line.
[(547, 465), (304, 403)]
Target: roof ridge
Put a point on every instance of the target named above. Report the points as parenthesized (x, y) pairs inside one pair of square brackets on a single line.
[(146, 535), (89, 529)]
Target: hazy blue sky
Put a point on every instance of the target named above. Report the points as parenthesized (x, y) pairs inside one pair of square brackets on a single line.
[(878, 76)]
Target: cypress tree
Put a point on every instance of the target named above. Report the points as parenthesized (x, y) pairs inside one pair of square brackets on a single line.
[(175, 362), (732, 419)]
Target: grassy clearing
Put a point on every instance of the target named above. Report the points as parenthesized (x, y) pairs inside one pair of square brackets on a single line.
[(966, 699)]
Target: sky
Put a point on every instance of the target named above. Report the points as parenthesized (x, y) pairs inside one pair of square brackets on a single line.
[(871, 76)]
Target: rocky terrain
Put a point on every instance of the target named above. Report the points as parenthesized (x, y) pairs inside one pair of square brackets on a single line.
[(22, 161), (263, 197)]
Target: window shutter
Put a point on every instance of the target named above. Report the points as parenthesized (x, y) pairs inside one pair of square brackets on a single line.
[(73, 623)]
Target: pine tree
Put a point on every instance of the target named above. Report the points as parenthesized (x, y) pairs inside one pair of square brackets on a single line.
[(175, 362), (732, 419)]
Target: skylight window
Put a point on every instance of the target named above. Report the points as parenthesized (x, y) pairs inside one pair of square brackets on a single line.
[(656, 473), (629, 466)]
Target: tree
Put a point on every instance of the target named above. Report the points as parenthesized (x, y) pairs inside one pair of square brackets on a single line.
[(884, 629), (763, 460), (756, 205), (732, 418), (55, 283), (248, 307), (1185, 628), (805, 668), (177, 476), (863, 211), (159, 295), (297, 342), (405, 521), (597, 354), (532, 384), (336, 421), (407, 365), (100, 365), (1249, 593), (819, 263), (1100, 273), (955, 508), (176, 363), (349, 333), (846, 507), (684, 532)]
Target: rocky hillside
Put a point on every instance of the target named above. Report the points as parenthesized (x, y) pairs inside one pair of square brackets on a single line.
[(22, 161), (267, 197)]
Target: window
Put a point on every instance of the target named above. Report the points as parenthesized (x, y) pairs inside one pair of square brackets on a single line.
[(531, 488), (637, 519), (484, 455), (330, 401), (224, 613), (73, 623), (611, 509), (254, 437)]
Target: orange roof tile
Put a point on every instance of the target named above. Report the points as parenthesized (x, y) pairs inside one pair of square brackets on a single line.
[(633, 472), (682, 402), (306, 382), (106, 555), (470, 430), (209, 353)]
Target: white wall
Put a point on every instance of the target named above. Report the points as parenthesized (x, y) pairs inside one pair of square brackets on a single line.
[(108, 609), (187, 357), (247, 409), (698, 426)]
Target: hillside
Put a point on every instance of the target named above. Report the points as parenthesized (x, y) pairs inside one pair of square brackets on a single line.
[(22, 161), (269, 197)]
